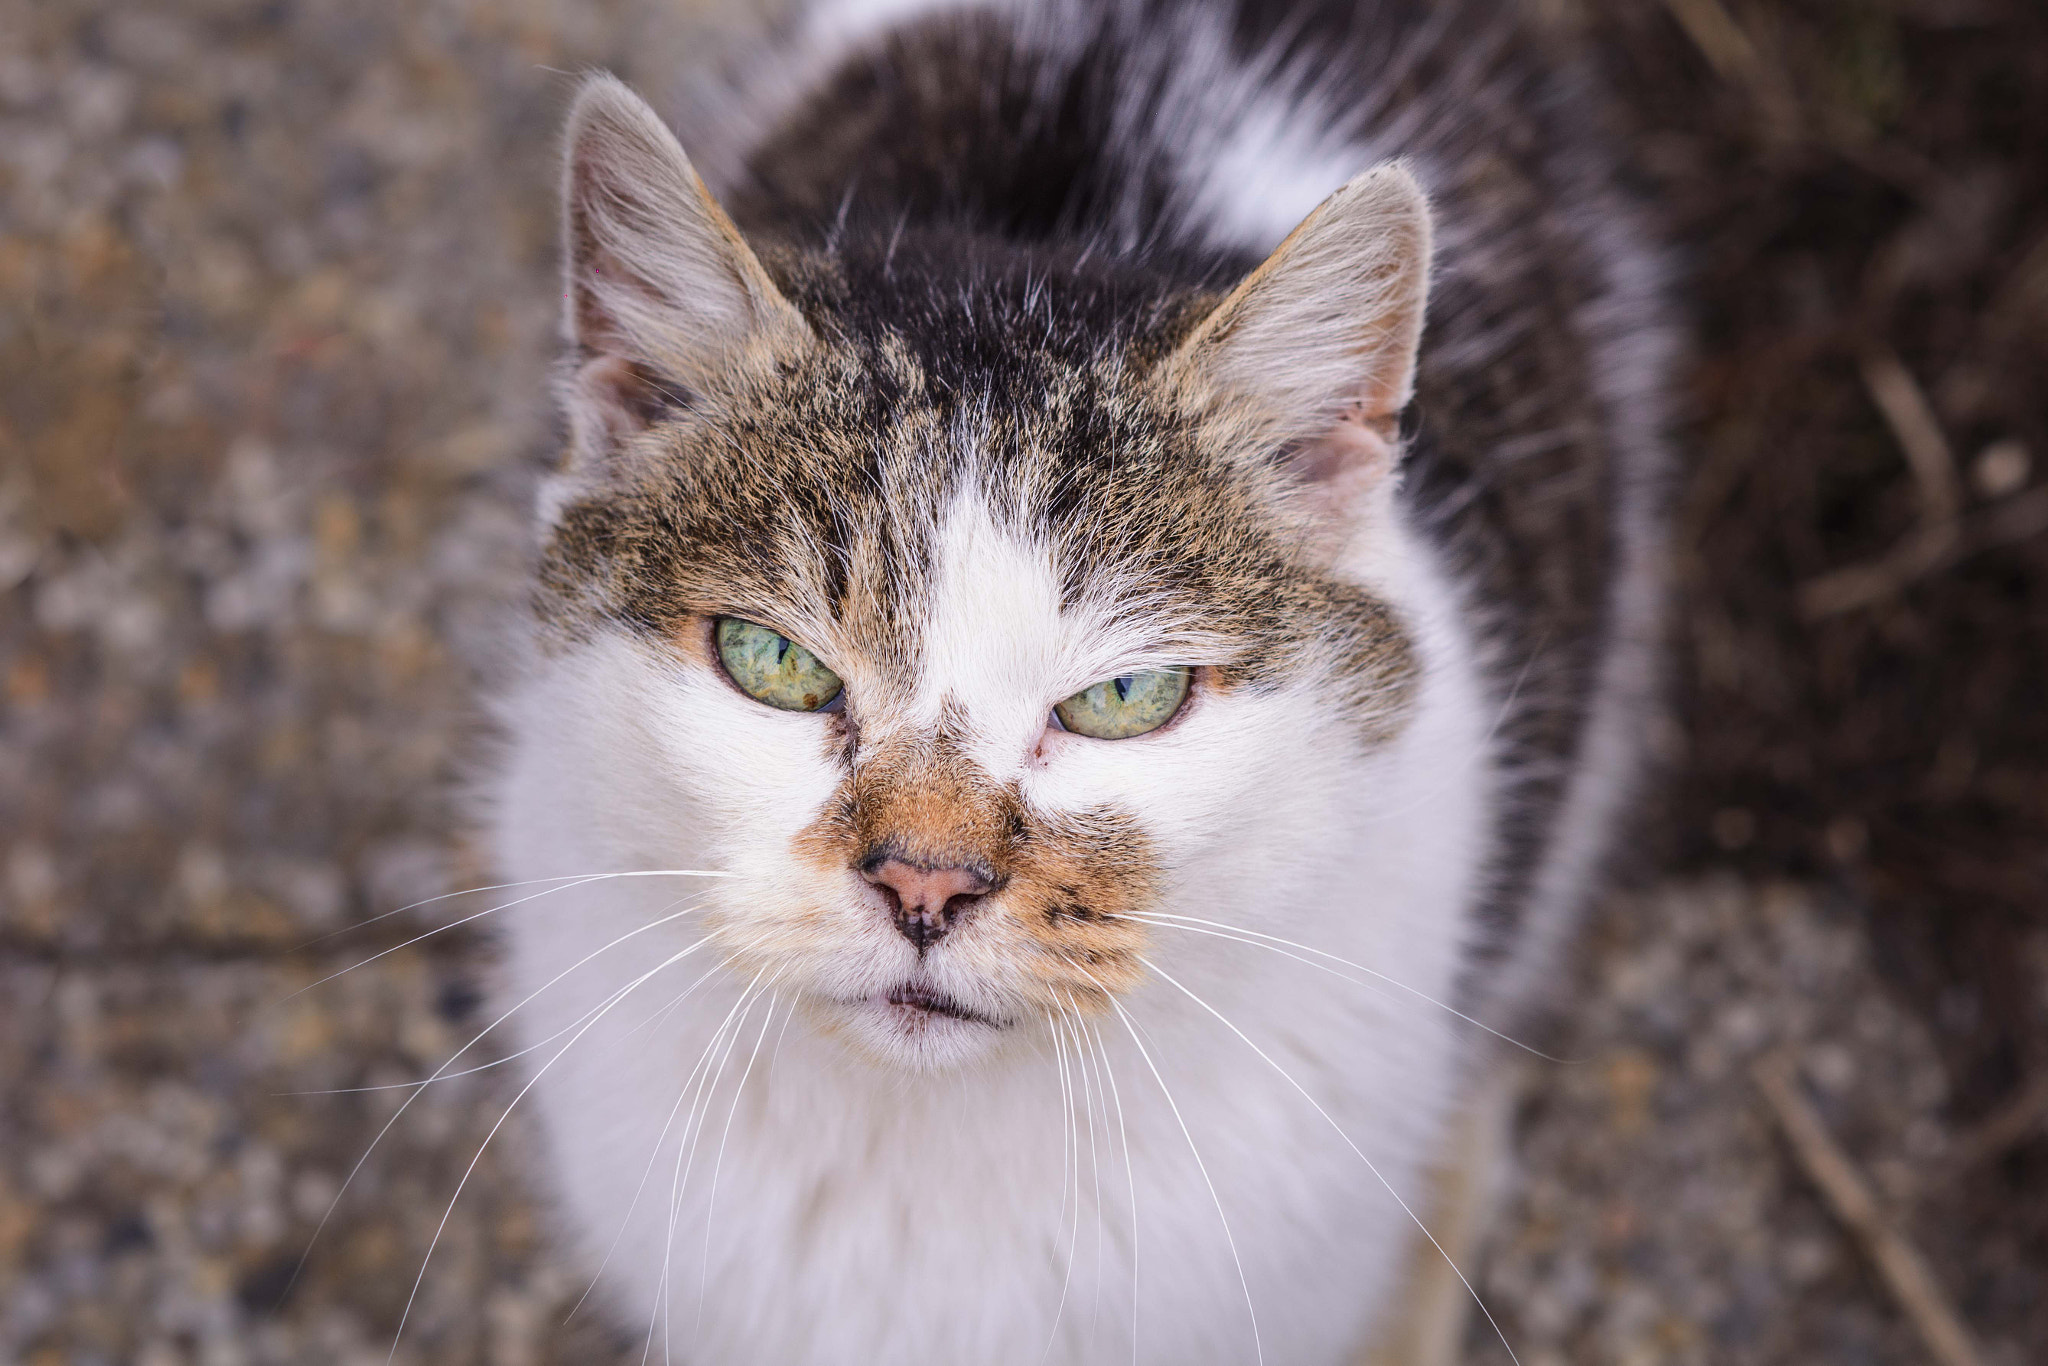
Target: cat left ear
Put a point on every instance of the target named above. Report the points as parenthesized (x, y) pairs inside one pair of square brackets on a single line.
[(662, 292), (1314, 353)]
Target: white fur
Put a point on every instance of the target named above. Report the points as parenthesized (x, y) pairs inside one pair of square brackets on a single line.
[(864, 1213), (1269, 171)]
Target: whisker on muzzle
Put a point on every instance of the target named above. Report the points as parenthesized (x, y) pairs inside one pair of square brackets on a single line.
[(567, 884), (1406, 1208), (682, 1093), (1273, 942), (541, 1072), (1130, 1026), (441, 1073), (686, 1148)]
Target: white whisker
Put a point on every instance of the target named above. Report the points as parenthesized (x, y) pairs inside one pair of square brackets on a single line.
[(440, 1076), (1273, 942), (471, 1169), (1066, 1132), (694, 1085), (787, 1016), (1091, 1087), (1405, 1207), (686, 1149), (506, 906), (648, 1170), (508, 886), (353, 1171), (739, 1088), (1130, 1172), (1258, 1344), (1084, 1080)]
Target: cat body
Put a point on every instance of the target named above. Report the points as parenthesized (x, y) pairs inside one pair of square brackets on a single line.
[(1011, 376)]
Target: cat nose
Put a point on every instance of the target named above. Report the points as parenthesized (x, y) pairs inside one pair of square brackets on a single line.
[(926, 900)]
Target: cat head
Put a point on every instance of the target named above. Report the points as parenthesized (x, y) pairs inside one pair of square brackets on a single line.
[(966, 604)]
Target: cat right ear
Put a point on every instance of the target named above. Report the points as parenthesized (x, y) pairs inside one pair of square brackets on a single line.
[(662, 293), (1313, 354)]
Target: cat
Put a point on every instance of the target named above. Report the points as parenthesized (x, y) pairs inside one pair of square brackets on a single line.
[(1091, 638)]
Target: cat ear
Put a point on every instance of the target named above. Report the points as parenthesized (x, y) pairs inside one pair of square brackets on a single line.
[(1315, 351), (662, 292)]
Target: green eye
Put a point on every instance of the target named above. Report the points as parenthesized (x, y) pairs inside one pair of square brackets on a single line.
[(772, 668), (1129, 704)]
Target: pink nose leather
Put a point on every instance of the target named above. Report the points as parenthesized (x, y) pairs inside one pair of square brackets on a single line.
[(926, 901)]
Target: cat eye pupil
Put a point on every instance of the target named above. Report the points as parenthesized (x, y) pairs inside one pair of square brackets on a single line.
[(1126, 705), (773, 669)]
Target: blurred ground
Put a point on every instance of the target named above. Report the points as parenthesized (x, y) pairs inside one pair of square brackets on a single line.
[(275, 311)]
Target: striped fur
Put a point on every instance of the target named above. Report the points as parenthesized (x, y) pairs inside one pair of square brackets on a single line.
[(1010, 348)]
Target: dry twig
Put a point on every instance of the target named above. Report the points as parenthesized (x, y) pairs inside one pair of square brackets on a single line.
[(1719, 38), (1944, 536), (1911, 418), (2021, 1118), (1921, 553), (1904, 1270)]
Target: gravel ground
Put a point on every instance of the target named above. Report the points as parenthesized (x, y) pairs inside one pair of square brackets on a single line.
[(1658, 1217), (275, 316)]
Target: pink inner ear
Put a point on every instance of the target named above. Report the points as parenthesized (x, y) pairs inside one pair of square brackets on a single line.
[(1357, 451), (623, 395)]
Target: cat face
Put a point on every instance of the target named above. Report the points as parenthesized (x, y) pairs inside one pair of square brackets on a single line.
[(963, 626)]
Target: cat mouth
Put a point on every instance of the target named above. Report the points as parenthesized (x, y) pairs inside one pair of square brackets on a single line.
[(917, 1001)]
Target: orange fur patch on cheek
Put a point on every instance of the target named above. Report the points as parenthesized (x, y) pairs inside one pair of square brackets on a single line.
[(1078, 880)]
